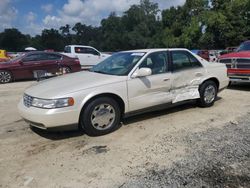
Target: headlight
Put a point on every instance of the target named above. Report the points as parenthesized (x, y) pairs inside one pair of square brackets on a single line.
[(52, 103)]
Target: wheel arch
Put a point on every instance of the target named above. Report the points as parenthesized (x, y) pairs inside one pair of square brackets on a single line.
[(116, 97), (214, 79)]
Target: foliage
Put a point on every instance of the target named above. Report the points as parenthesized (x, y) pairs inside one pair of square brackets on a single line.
[(198, 24)]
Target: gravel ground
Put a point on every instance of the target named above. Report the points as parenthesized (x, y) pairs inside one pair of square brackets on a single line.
[(217, 157), (185, 146)]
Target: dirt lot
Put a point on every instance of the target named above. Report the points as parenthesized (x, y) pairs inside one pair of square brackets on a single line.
[(185, 146)]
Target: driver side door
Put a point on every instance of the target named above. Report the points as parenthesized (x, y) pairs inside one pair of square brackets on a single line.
[(148, 91)]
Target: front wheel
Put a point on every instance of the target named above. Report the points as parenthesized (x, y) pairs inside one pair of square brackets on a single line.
[(5, 77), (101, 116), (208, 93)]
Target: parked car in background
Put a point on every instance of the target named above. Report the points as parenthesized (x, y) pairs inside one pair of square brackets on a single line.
[(213, 56), (238, 63), (87, 55), (125, 84), (24, 66), (204, 54), (3, 56), (231, 49)]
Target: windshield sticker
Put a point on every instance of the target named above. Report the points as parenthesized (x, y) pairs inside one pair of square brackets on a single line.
[(138, 54)]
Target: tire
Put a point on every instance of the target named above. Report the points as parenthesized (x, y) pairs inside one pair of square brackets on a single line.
[(66, 70), (101, 116), (208, 94), (5, 77)]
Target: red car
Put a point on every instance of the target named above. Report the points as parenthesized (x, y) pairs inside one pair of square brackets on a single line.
[(204, 54), (26, 65), (238, 63)]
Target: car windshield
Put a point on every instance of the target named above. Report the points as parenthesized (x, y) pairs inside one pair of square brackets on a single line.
[(119, 64), (18, 58), (244, 47)]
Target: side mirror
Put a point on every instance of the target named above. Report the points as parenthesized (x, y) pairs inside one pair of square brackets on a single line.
[(142, 72), (20, 62)]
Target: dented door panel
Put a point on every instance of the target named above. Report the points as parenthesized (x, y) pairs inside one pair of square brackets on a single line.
[(149, 91), (185, 85)]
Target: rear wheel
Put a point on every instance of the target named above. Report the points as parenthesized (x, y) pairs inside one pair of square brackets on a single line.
[(66, 70), (5, 77), (208, 93), (101, 116)]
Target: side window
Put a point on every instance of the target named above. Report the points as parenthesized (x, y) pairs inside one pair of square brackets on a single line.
[(195, 62), (92, 51), (80, 50), (53, 57), (183, 60), (32, 57), (157, 62)]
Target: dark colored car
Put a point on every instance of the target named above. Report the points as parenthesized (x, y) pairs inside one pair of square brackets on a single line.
[(238, 63), (26, 65), (204, 54)]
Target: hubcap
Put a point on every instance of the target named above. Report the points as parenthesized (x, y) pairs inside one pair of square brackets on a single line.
[(65, 70), (5, 77), (209, 94), (103, 116)]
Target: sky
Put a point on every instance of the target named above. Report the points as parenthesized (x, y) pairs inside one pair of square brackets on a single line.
[(32, 16)]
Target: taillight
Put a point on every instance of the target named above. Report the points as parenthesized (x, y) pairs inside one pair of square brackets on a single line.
[(77, 61)]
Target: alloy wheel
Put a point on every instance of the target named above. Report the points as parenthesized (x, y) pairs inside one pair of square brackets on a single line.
[(5, 77), (103, 116), (209, 94)]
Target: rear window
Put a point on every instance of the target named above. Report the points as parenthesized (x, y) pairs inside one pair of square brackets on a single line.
[(67, 49)]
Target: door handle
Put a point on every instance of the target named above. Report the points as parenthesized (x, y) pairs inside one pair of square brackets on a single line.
[(198, 74), (166, 79)]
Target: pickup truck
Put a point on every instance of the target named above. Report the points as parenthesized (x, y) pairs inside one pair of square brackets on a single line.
[(238, 63), (87, 55)]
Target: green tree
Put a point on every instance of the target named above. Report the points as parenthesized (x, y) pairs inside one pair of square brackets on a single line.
[(52, 39), (13, 40)]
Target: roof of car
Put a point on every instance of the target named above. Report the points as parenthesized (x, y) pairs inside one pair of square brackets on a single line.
[(78, 46), (155, 50), (38, 52)]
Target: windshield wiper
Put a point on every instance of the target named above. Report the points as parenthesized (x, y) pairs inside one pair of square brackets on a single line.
[(101, 72)]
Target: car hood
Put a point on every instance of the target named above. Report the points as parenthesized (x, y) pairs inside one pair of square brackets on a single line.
[(243, 54), (66, 84)]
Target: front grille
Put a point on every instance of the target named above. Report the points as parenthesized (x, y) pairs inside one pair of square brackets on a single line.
[(226, 61), (27, 100), (236, 63)]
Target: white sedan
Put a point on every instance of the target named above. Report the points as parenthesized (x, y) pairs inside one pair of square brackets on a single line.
[(124, 84)]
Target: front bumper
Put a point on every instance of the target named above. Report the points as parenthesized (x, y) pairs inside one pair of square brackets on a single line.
[(49, 118)]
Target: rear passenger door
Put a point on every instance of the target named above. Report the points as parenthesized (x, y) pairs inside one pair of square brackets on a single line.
[(187, 75), (51, 62)]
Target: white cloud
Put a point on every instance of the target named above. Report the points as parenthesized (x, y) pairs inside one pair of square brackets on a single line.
[(163, 4), (7, 14), (93, 11), (31, 16), (47, 8), (89, 12)]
